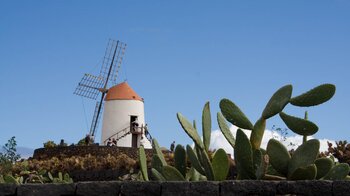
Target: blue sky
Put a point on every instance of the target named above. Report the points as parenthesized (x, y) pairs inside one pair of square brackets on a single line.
[(180, 54)]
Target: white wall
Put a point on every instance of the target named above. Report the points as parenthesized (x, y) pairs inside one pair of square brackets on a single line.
[(116, 117)]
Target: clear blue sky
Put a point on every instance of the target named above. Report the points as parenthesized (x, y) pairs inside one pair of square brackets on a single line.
[(180, 54)]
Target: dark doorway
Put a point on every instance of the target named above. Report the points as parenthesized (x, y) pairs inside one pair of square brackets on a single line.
[(132, 119), (134, 141)]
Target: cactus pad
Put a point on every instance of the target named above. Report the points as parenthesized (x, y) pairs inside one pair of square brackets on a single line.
[(157, 163), (157, 175), (225, 129), (143, 163), (304, 155), (194, 160), (193, 175), (244, 156), (299, 125), (172, 174), (315, 96), (234, 115), (192, 132), (208, 169), (277, 102), (180, 159), (220, 165), (158, 151), (259, 164), (324, 165), (304, 173), (279, 156), (258, 133), (338, 172), (206, 126)]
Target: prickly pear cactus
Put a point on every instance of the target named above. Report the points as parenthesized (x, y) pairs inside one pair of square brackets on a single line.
[(180, 159), (157, 163), (194, 160), (277, 102), (205, 162), (279, 156), (190, 130), (315, 96), (225, 129), (299, 125), (143, 163), (206, 126), (157, 175), (304, 173), (324, 165), (258, 133), (302, 164), (193, 175), (172, 174), (244, 156), (158, 151), (338, 172), (220, 165), (304, 155), (234, 115)]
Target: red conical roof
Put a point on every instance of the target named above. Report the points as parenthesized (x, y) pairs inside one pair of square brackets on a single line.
[(122, 91)]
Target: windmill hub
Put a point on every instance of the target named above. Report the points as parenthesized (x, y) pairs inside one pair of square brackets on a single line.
[(103, 90)]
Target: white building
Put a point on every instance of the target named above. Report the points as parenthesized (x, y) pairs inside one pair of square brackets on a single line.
[(122, 107)]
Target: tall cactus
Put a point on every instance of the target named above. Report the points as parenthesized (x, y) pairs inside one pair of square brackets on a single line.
[(201, 160), (206, 126)]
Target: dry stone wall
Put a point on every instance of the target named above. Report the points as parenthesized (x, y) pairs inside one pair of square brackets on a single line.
[(244, 187)]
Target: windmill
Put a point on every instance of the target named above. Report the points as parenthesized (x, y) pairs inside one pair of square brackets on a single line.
[(92, 86)]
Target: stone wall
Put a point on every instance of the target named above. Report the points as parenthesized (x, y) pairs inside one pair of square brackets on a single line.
[(205, 188), (68, 151)]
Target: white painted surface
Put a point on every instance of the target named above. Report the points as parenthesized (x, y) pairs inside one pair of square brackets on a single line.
[(116, 117)]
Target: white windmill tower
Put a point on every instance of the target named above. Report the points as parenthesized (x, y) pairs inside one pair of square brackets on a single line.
[(123, 105)]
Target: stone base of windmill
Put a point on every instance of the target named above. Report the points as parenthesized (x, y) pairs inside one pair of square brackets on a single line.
[(93, 169), (94, 150)]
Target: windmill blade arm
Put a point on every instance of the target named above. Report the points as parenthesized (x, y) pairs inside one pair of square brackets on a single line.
[(112, 60), (96, 118)]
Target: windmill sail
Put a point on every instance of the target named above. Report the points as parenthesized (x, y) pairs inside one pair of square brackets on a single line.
[(91, 86)]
